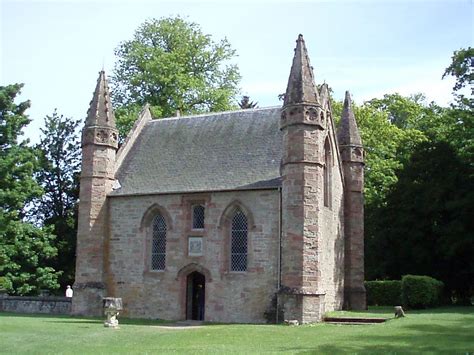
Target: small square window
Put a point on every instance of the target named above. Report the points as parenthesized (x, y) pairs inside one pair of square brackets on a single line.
[(198, 217)]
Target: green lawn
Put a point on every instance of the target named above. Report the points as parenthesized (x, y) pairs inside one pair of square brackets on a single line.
[(441, 330)]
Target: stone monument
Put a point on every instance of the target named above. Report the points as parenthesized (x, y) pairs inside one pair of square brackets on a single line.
[(112, 306)]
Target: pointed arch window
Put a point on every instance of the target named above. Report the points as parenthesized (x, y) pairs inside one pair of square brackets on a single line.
[(239, 241), (327, 176), (158, 248)]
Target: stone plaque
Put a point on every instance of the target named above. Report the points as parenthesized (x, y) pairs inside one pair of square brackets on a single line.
[(195, 246)]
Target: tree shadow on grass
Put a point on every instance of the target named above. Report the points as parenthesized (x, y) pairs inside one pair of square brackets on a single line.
[(64, 318), (122, 321), (454, 338), (467, 310), (33, 315)]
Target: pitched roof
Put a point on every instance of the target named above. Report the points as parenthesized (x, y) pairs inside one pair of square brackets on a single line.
[(212, 152)]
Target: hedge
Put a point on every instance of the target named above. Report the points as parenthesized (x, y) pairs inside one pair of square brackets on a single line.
[(384, 292), (421, 291)]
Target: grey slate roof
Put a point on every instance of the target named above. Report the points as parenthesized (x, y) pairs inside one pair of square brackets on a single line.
[(220, 151)]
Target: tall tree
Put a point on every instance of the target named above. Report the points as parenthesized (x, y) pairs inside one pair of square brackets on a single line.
[(25, 249), (461, 132), (59, 176), (426, 226), (387, 148), (462, 68), (171, 65), (403, 112)]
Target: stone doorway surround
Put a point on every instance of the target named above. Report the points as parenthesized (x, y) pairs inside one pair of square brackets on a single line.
[(189, 277), (195, 296)]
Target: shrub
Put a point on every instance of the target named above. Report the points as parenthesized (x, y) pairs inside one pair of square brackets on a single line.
[(421, 291), (5, 284), (384, 292)]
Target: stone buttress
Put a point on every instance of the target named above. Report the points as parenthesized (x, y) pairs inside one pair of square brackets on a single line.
[(304, 128), (352, 155), (99, 146)]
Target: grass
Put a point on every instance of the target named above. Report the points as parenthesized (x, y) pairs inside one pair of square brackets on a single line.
[(441, 330)]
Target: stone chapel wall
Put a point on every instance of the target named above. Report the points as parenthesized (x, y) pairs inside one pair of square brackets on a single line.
[(332, 248), (230, 296)]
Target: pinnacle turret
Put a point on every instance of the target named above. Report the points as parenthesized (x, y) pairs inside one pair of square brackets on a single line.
[(100, 111), (324, 94), (348, 133), (100, 122), (301, 87)]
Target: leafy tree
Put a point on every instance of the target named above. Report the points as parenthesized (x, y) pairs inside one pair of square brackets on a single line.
[(426, 226), (24, 248), (171, 65), (387, 148), (59, 176), (403, 112), (461, 68), (245, 103), (461, 130)]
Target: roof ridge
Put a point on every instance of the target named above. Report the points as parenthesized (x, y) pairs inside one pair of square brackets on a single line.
[(215, 113)]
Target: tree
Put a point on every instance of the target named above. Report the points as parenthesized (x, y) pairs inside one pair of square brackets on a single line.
[(387, 147), (402, 111), (461, 130), (426, 226), (59, 176), (25, 248), (245, 103), (171, 65), (461, 68)]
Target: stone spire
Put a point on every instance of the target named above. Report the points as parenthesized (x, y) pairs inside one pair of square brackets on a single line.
[(301, 88), (99, 146), (352, 156), (348, 133), (100, 111), (304, 127), (100, 126)]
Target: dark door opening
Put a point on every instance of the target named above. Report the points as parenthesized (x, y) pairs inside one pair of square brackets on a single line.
[(195, 296)]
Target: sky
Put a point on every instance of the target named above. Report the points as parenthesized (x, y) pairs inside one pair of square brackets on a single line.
[(56, 48)]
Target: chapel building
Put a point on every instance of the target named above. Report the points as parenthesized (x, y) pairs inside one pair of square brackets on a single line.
[(240, 216)]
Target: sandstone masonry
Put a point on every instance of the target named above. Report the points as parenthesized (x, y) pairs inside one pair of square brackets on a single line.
[(282, 201)]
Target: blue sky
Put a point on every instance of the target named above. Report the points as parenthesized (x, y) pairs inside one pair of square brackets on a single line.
[(368, 47)]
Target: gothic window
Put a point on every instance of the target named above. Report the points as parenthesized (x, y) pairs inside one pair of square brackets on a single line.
[(158, 249), (239, 232), (327, 181), (198, 217)]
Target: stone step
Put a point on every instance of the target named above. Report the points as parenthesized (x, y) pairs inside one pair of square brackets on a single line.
[(354, 320), (350, 323), (188, 323)]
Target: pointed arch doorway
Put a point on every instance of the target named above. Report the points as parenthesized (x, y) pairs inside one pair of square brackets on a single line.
[(195, 296)]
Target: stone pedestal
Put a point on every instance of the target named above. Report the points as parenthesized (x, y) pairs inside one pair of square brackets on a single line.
[(112, 306)]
